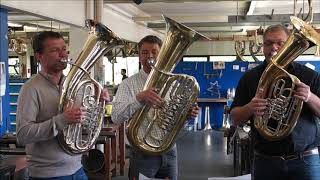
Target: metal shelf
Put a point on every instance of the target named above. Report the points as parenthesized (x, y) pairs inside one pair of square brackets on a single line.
[(212, 100), (16, 84), (14, 94)]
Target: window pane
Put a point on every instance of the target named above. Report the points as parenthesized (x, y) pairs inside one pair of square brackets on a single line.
[(222, 58), (232, 58), (308, 58), (107, 71), (195, 59), (122, 63)]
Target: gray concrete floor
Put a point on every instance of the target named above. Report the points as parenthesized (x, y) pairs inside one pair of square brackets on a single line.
[(201, 154)]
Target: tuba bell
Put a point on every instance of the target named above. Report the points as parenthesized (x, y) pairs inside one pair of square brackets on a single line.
[(153, 130), (278, 86), (79, 89)]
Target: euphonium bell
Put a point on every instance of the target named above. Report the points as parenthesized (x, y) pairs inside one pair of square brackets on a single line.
[(277, 85), (79, 89), (153, 130)]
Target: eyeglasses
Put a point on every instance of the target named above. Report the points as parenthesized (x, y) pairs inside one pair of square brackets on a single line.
[(58, 50), (147, 53), (270, 43)]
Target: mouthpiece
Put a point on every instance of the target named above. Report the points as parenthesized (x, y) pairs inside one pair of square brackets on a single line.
[(274, 53), (151, 62)]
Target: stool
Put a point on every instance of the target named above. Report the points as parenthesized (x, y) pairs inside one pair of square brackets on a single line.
[(108, 139), (112, 137), (117, 147)]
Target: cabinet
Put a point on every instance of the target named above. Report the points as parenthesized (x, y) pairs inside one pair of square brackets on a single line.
[(14, 89)]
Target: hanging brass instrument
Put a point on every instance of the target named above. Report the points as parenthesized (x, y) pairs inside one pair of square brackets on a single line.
[(255, 47), (277, 85), (129, 49), (113, 54), (226, 118), (17, 44), (79, 89), (240, 47), (153, 130), (207, 123)]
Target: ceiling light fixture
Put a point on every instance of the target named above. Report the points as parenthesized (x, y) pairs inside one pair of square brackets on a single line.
[(14, 24)]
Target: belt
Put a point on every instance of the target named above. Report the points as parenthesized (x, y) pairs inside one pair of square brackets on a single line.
[(291, 157)]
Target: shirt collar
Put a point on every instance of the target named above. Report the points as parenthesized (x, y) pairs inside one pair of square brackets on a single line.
[(143, 74), (49, 77)]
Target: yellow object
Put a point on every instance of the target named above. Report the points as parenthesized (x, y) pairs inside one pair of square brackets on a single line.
[(108, 109)]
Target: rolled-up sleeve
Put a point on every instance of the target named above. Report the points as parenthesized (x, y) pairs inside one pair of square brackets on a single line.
[(124, 104)]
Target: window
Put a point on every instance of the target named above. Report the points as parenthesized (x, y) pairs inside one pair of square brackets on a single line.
[(131, 64), (308, 58), (195, 59), (232, 58), (222, 58), (14, 66)]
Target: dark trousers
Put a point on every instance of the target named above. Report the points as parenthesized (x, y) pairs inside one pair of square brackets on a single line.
[(162, 166), (301, 168)]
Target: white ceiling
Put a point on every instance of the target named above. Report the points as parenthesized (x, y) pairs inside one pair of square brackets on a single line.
[(215, 15), (207, 16), (33, 23), (212, 8)]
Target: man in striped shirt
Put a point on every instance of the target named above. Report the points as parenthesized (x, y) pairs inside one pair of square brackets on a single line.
[(130, 98)]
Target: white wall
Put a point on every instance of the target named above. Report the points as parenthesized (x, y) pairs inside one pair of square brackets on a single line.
[(211, 48), (77, 37), (68, 11), (125, 27), (73, 12)]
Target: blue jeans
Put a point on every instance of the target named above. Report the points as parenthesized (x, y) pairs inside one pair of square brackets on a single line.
[(163, 166), (302, 168), (79, 175)]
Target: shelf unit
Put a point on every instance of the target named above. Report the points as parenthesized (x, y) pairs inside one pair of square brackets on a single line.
[(14, 89)]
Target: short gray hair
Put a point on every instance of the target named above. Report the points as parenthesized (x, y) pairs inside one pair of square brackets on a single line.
[(276, 27)]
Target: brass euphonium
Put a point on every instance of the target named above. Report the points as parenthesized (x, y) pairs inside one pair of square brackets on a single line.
[(277, 85), (79, 89), (153, 130)]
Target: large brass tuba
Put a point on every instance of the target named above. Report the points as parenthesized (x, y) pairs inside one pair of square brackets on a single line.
[(79, 89), (154, 130), (277, 85)]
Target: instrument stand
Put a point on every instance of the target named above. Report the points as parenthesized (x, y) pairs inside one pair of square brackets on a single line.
[(207, 119), (197, 121)]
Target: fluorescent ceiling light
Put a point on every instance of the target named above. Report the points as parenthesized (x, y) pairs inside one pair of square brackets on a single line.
[(29, 28), (14, 24)]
